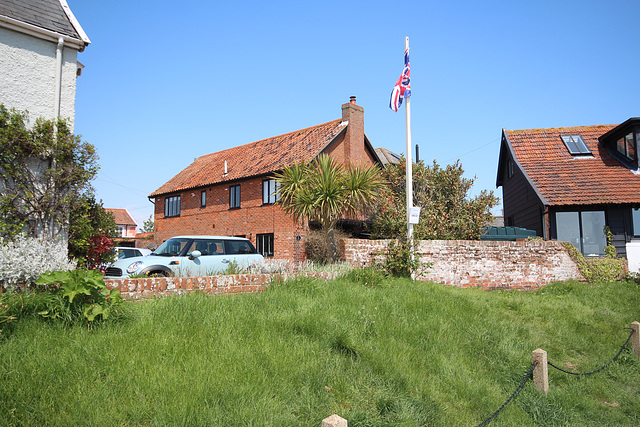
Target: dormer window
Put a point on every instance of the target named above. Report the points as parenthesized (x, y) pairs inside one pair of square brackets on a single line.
[(626, 146), (575, 144)]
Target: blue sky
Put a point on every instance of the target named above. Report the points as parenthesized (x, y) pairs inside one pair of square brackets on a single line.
[(166, 82)]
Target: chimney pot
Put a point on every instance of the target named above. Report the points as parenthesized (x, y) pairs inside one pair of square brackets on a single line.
[(352, 99)]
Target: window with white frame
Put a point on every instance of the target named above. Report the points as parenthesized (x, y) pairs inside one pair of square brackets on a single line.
[(270, 189), (203, 198)]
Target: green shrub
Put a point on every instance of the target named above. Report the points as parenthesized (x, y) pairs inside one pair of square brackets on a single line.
[(400, 259), (78, 295), (603, 269)]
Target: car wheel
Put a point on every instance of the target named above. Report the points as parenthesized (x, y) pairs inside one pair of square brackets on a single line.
[(158, 274)]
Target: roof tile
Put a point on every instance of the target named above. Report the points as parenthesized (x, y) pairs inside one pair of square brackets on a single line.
[(254, 159), (563, 179)]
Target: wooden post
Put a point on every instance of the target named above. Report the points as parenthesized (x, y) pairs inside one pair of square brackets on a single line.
[(541, 371), (635, 339), (334, 421)]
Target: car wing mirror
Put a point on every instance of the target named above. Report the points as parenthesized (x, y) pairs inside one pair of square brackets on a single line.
[(195, 254)]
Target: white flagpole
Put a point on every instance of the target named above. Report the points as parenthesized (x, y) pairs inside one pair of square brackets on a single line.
[(409, 175)]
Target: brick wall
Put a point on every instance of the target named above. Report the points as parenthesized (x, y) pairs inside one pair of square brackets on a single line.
[(228, 284), (487, 265)]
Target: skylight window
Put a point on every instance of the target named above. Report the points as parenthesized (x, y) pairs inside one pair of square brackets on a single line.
[(575, 144)]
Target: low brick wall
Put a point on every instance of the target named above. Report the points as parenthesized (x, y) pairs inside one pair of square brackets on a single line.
[(227, 284), (521, 265)]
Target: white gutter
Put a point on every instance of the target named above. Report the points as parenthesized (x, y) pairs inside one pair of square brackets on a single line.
[(57, 88), (41, 33)]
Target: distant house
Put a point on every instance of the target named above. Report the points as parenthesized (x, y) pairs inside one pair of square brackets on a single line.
[(233, 192), (39, 45), (568, 183), (124, 222)]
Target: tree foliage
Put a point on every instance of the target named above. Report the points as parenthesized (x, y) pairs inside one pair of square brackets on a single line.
[(447, 211), (148, 225), (91, 230), (43, 170), (325, 191)]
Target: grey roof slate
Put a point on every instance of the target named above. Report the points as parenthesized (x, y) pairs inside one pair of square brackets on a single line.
[(47, 14)]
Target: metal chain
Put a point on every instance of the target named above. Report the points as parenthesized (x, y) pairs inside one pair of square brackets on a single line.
[(524, 380), (599, 369)]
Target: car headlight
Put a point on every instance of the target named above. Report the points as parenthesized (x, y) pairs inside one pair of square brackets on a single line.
[(135, 267)]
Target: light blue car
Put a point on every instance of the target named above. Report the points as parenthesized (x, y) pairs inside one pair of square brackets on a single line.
[(188, 256)]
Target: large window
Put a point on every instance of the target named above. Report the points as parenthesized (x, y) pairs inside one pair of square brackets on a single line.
[(234, 197), (270, 189), (585, 230), (264, 242), (172, 206)]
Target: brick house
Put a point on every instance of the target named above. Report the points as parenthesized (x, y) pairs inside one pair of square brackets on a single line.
[(569, 183), (232, 192), (124, 222)]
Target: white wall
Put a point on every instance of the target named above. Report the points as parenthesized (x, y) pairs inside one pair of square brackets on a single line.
[(28, 73)]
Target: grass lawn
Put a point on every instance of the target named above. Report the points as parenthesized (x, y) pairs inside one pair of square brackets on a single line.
[(403, 353)]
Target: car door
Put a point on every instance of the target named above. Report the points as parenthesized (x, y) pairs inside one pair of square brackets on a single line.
[(241, 252), (211, 260)]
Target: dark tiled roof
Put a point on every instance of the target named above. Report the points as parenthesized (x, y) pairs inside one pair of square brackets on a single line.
[(254, 159), (121, 216), (387, 157), (47, 14), (563, 179)]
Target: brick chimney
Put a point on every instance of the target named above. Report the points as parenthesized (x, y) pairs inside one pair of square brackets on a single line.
[(353, 144)]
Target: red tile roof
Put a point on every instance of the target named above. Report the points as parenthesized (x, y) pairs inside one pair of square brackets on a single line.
[(121, 216), (563, 179), (257, 158)]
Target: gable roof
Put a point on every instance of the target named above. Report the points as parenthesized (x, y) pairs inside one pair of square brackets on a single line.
[(562, 179), (48, 16), (256, 158), (121, 216), (387, 157)]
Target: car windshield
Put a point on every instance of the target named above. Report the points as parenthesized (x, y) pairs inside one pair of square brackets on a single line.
[(172, 247)]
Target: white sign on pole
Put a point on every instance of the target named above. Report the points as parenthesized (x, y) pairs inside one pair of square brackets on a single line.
[(414, 215)]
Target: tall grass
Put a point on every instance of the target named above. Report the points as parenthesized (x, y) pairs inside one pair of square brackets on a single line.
[(401, 353)]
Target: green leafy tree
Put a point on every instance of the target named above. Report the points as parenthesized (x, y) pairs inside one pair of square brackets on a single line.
[(447, 211), (43, 170), (148, 225), (91, 230), (325, 191)]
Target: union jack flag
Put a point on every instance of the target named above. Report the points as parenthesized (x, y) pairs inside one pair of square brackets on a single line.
[(402, 89)]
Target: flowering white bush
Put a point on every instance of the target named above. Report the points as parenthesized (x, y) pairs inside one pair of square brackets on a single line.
[(25, 258)]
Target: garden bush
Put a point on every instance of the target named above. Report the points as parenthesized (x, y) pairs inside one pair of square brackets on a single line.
[(24, 259)]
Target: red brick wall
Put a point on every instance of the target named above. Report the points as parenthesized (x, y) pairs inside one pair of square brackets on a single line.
[(487, 265), (217, 219), (228, 284)]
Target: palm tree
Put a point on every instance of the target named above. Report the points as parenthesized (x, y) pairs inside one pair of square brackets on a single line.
[(325, 191)]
